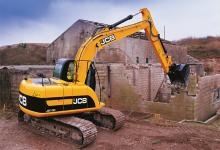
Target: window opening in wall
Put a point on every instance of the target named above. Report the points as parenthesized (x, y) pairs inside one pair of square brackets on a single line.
[(216, 96), (137, 60), (147, 60)]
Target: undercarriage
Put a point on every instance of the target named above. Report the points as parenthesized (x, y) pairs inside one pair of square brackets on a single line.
[(79, 129)]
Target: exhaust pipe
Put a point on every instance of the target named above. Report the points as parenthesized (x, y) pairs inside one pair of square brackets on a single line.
[(179, 73)]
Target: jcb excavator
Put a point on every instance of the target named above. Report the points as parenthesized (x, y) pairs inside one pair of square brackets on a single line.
[(67, 105)]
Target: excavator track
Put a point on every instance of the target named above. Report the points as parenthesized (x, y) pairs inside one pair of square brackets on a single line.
[(109, 118), (69, 128), (106, 118)]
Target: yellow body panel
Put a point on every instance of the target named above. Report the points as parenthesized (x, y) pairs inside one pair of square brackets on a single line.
[(36, 114), (57, 90), (55, 95), (59, 102)]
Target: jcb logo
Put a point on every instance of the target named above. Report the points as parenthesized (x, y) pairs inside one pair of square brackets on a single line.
[(80, 100), (23, 100), (108, 39)]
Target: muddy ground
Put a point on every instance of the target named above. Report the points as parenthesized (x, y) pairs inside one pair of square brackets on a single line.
[(136, 134)]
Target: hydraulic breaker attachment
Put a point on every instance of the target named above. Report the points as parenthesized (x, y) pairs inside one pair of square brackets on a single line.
[(179, 73)]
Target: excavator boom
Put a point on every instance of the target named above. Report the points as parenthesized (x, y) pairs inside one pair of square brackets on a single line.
[(109, 34)]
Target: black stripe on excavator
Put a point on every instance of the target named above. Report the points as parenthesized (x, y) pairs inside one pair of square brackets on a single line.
[(39, 104)]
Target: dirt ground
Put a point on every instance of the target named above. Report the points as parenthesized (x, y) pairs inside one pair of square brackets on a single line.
[(136, 134)]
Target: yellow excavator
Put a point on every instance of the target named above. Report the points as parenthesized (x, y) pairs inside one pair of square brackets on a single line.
[(67, 104)]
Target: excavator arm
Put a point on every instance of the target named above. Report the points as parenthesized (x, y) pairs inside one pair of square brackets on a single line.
[(110, 34)]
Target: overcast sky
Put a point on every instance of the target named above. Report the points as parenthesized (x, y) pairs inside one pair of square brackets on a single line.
[(41, 21)]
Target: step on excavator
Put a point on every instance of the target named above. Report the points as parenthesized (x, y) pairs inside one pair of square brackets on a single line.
[(66, 105)]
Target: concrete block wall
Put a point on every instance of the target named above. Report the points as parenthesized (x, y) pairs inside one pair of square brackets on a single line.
[(15, 75), (183, 105), (4, 86), (103, 77), (205, 106), (145, 80), (134, 76), (142, 81), (180, 106), (130, 90), (18, 74), (156, 80)]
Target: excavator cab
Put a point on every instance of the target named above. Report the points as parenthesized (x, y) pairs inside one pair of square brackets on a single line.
[(179, 73), (64, 70)]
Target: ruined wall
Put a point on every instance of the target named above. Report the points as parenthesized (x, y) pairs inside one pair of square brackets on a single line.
[(124, 51), (140, 79), (130, 88), (180, 106), (4, 84), (195, 65), (205, 105), (144, 80), (196, 102), (14, 75)]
